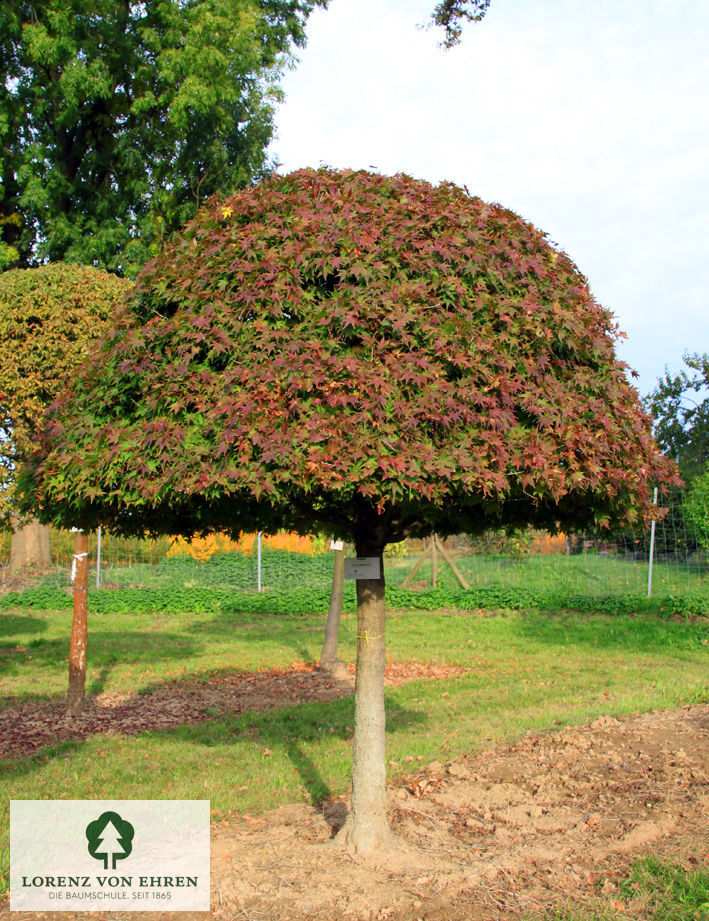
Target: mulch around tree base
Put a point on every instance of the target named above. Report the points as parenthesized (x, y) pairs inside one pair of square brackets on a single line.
[(31, 726)]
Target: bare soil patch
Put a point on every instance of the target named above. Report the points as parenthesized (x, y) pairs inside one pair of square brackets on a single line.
[(506, 834)]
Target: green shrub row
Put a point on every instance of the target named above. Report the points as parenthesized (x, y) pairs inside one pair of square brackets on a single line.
[(176, 599), (519, 599), (309, 599)]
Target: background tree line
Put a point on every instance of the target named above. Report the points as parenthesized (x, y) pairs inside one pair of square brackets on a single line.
[(679, 406), (118, 119)]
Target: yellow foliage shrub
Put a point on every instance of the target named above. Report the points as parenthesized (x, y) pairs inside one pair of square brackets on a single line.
[(202, 548), (546, 543)]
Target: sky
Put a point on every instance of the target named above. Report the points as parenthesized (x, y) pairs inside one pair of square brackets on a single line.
[(590, 118)]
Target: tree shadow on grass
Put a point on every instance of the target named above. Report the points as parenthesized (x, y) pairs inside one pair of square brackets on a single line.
[(98, 683), (288, 628), (241, 713), (14, 625), (24, 648), (290, 631), (292, 730), (105, 648), (318, 789), (632, 633)]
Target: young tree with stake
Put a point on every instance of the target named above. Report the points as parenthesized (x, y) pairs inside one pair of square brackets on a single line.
[(328, 657), (370, 356)]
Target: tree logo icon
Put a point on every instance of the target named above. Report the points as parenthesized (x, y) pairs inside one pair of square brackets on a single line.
[(110, 839)]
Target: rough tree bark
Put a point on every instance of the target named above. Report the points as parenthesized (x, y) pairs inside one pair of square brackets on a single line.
[(30, 545), (328, 657), (79, 628), (366, 830)]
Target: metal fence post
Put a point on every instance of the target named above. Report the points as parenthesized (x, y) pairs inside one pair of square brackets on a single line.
[(98, 557), (652, 548)]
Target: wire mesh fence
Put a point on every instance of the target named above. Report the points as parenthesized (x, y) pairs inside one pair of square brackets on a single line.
[(594, 565)]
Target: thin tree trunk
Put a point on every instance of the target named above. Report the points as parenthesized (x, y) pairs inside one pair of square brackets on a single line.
[(366, 830), (328, 657), (30, 545), (79, 627)]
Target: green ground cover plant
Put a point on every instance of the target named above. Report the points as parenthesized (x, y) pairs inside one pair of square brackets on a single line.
[(545, 576), (529, 670), (311, 598)]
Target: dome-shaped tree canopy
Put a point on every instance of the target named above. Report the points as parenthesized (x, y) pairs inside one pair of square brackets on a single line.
[(331, 348), (365, 354)]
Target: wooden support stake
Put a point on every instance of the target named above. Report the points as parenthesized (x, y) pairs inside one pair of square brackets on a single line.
[(456, 571), (434, 561), (328, 656), (417, 566)]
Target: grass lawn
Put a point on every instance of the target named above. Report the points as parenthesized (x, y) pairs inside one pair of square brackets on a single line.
[(584, 573), (670, 892), (528, 671)]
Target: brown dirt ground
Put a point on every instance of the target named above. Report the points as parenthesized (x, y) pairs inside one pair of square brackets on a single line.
[(507, 834)]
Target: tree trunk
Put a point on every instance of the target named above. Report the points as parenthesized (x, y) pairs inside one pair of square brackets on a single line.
[(328, 657), (79, 628), (366, 830), (30, 545)]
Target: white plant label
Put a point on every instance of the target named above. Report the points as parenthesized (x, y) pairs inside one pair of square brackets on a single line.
[(365, 567)]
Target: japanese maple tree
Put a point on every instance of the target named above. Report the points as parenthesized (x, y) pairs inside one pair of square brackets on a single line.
[(367, 355)]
